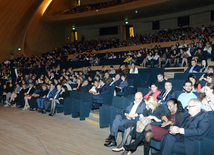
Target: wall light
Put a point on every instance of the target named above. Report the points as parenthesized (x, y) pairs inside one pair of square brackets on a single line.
[(19, 49), (126, 22), (47, 6)]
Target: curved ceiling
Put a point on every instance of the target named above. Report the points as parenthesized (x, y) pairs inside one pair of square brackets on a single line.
[(145, 8)]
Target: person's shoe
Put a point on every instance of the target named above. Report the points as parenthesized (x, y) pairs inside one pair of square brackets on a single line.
[(6, 102), (6, 105), (110, 144), (43, 112), (118, 149), (40, 110), (110, 138)]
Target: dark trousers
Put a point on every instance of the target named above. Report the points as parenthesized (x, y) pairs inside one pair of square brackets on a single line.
[(171, 144), (47, 105), (119, 120)]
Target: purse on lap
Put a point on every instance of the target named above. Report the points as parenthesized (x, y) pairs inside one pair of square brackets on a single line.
[(141, 124)]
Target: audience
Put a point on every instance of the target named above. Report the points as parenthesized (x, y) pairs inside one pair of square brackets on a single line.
[(160, 81), (133, 69), (195, 82), (174, 117), (135, 108), (195, 126), (123, 83)]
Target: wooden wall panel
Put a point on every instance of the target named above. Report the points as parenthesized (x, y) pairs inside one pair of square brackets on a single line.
[(41, 37), (15, 15)]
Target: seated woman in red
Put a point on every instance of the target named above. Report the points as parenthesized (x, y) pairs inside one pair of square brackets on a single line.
[(154, 91), (174, 117), (195, 82)]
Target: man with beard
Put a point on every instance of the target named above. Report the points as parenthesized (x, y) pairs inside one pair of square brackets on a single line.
[(185, 97)]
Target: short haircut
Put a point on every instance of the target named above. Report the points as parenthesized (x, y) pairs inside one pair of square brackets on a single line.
[(210, 67), (154, 83), (193, 60), (187, 81), (160, 74), (124, 76)]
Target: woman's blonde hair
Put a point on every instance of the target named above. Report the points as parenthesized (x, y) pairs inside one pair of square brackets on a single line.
[(151, 100)]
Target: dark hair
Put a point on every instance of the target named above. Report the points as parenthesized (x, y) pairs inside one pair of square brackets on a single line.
[(179, 105), (211, 75), (196, 80), (187, 81), (154, 83), (125, 76), (202, 96), (65, 87)]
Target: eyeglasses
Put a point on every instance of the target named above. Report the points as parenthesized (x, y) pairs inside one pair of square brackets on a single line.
[(190, 106)]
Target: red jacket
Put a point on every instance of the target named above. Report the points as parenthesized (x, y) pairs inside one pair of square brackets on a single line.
[(154, 95)]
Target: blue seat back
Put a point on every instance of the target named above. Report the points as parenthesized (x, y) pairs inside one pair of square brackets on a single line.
[(118, 102)]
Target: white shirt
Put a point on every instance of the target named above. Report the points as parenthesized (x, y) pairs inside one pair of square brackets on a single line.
[(133, 72), (134, 108)]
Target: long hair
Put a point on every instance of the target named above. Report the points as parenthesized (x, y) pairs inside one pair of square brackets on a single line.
[(202, 96), (151, 100), (196, 80), (211, 75), (179, 105)]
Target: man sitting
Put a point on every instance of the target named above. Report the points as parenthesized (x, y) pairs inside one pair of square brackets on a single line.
[(85, 87), (194, 68), (166, 94), (135, 108), (107, 79), (40, 101), (160, 81), (116, 80), (185, 97), (195, 126), (47, 103)]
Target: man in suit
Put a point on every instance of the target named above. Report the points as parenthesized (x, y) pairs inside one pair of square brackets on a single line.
[(160, 81), (194, 68), (107, 79), (135, 108), (166, 94), (116, 80), (85, 87), (195, 126), (40, 101), (102, 89), (29, 91), (47, 103)]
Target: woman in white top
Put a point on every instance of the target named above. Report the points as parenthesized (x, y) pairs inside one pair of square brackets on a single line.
[(147, 59), (133, 69), (207, 98), (94, 88), (208, 49)]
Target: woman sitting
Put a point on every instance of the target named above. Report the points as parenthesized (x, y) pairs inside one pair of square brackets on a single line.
[(147, 59), (63, 94), (154, 91), (204, 76), (153, 111), (207, 98), (174, 117), (94, 88), (172, 57), (197, 86), (209, 79), (204, 66), (198, 54), (41, 94), (133, 69), (123, 83), (10, 90), (78, 82)]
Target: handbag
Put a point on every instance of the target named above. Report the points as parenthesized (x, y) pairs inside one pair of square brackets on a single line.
[(141, 124)]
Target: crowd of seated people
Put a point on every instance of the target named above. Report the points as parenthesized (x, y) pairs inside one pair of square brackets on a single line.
[(91, 7), (152, 110)]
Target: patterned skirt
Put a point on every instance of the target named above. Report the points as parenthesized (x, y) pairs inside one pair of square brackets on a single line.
[(158, 132)]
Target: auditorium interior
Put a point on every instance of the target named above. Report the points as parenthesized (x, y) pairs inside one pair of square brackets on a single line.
[(76, 44)]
